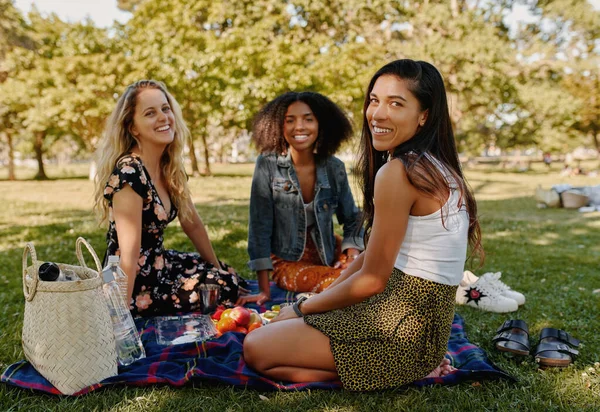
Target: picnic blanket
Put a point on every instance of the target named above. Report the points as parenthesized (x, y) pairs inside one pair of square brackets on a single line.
[(220, 360)]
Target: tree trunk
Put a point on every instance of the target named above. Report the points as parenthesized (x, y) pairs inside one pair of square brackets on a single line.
[(11, 158), (37, 147), (454, 7), (207, 171), (195, 170)]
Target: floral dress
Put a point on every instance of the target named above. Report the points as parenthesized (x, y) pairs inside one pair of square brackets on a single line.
[(167, 281)]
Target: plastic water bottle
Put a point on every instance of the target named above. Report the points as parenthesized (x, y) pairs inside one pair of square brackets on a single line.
[(50, 272), (129, 344)]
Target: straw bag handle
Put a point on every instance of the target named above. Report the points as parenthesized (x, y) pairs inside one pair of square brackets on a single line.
[(29, 292), (90, 249)]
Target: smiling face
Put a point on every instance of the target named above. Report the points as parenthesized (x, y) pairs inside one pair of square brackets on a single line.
[(394, 114), (300, 127), (153, 120)]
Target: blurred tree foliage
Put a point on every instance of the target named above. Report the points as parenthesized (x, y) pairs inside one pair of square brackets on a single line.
[(535, 84)]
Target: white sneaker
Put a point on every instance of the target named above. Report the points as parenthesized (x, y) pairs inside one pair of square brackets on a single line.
[(494, 279), (484, 295)]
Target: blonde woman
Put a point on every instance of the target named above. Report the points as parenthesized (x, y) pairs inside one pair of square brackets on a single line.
[(142, 186)]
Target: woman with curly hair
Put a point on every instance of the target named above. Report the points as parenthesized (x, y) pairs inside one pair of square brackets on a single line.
[(298, 186), (141, 187), (386, 320)]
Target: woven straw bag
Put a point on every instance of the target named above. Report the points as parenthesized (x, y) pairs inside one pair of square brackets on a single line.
[(67, 331), (572, 199)]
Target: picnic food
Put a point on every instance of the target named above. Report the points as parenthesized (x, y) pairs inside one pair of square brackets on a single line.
[(226, 324), (240, 315), (238, 319)]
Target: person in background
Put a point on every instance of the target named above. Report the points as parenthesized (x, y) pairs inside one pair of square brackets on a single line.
[(141, 187), (386, 320), (297, 188)]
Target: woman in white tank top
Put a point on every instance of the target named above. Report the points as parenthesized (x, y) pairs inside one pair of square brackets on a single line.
[(386, 320)]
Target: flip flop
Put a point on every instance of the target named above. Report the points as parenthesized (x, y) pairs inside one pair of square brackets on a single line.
[(556, 348), (513, 337)]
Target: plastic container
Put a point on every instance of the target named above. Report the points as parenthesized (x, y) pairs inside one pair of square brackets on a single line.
[(128, 343), (175, 330)]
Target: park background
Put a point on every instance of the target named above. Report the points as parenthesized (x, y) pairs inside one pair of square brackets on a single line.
[(516, 87)]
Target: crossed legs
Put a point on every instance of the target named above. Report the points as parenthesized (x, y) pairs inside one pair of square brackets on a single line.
[(293, 351), (290, 350)]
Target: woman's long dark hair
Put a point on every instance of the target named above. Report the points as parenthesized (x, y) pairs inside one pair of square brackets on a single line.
[(435, 139)]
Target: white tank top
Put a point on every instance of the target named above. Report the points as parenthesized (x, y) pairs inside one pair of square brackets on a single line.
[(436, 251)]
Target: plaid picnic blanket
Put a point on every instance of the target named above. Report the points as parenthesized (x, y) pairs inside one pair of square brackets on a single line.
[(221, 360)]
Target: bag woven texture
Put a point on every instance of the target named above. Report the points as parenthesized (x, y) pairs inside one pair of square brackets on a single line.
[(67, 330), (572, 199)]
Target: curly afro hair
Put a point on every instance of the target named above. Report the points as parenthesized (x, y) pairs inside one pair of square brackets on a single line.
[(334, 126)]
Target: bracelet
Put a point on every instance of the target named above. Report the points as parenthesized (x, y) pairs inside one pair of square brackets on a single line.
[(296, 306)]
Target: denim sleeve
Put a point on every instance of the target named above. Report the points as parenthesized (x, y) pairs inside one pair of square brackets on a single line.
[(260, 226), (347, 213)]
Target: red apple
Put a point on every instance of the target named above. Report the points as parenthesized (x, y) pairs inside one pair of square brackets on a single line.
[(217, 314), (241, 315)]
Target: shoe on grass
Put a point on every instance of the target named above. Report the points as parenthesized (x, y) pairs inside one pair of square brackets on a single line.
[(494, 279), (483, 294)]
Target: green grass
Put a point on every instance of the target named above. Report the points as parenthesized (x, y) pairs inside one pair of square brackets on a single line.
[(550, 255)]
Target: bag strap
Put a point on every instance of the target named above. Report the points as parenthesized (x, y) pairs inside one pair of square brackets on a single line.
[(29, 292), (81, 241)]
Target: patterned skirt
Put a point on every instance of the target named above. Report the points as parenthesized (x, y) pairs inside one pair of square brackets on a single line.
[(393, 338), (176, 286), (308, 274)]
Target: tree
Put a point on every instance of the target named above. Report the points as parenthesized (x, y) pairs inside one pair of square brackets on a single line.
[(561, 73), (13, 34), (65, 84)]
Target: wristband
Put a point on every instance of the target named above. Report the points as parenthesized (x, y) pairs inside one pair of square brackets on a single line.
[(296, 306)]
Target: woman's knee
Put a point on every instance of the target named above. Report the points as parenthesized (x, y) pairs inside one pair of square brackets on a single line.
[(252, 351)]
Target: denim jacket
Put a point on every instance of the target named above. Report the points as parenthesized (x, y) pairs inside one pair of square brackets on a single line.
[(278, 219)]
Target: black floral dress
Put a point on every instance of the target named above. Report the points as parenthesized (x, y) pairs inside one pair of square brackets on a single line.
[(167, 281)]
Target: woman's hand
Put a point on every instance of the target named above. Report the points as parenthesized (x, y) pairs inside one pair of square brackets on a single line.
[(286, 312), (346, 258), (259, 298)]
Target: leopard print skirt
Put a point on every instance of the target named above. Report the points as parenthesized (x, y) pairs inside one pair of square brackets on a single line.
[(393, 338)]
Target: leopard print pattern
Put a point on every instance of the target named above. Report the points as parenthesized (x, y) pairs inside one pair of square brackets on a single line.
[(392, 338)]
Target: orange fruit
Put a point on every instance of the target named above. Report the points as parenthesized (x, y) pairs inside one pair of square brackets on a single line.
[(226, 324), (241, 329), (254, 325)]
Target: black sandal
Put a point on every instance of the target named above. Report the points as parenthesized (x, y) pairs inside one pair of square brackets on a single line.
[(556, 348), (513, 337)]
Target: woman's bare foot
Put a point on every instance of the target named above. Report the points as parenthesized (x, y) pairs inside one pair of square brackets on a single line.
[(444, 369)]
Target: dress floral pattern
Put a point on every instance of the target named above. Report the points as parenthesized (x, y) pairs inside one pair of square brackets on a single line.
[(167, 281)]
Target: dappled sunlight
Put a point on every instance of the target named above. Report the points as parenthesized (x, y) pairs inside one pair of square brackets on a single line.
[(545, 239), (242, 244), (499, 235)]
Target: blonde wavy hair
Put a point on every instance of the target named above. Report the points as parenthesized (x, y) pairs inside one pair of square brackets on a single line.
[(118, 140)]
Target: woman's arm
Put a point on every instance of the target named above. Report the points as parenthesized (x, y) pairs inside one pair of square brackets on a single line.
[(195, 230), (264, 290), (394, 197), (127, 212), (260, 230), (348, 214), (352, 268)]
